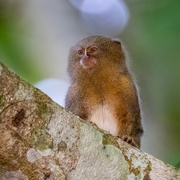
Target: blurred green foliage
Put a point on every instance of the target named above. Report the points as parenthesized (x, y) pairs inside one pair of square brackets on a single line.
[(14, 50), (178, 165), (154, 39)]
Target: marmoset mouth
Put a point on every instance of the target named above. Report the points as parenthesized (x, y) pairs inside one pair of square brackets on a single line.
[(88, 62)]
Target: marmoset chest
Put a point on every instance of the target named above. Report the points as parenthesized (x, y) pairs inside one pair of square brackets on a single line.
[(104, 117)]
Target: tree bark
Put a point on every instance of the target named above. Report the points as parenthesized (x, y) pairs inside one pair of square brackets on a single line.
[(39, 140)]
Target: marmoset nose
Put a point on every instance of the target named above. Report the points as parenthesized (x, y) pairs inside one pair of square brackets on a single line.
[(85, 57)]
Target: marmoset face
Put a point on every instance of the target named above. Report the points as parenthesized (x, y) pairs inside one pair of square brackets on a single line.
[(88, 56), (93, 54)]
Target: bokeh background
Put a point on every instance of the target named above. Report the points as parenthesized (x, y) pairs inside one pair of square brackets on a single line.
[(35, 37)]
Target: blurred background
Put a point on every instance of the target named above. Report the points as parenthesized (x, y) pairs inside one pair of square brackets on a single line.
[(35, 37)]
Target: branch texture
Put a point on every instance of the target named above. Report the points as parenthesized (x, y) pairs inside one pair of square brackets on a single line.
[(39, 140)]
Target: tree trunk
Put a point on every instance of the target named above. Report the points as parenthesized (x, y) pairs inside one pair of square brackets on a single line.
[(39, 140)]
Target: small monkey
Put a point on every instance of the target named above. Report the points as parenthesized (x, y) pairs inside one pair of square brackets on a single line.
[(102, 89)]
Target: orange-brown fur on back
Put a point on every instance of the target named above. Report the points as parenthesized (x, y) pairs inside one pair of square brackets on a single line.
[(103, 91)]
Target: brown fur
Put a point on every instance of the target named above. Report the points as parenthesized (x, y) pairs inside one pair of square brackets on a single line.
[(110, 82)]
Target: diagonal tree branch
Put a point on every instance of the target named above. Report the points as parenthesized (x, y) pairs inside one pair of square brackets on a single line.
[(40, 140)]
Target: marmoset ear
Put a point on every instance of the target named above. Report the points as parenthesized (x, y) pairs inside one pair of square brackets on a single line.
[(117, 42)]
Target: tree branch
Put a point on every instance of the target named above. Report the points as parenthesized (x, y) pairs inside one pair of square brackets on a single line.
[(40, 140)]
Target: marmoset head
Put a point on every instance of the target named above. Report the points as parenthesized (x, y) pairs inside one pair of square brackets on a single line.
[(95, 52)]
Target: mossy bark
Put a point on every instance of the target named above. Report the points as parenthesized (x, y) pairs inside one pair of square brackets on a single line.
[(40, 140)]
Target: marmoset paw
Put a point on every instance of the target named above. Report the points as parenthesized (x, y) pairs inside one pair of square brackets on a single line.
[(129, 140)]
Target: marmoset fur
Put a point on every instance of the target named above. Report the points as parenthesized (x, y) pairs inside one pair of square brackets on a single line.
[(102, 88)]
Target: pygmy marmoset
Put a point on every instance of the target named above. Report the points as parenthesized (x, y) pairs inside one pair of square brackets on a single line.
[(102, 89)]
